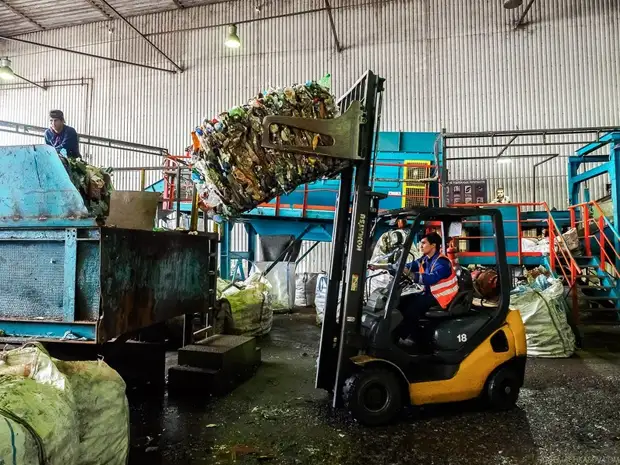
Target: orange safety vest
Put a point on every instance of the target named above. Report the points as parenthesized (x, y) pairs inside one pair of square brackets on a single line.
[(446, 289)]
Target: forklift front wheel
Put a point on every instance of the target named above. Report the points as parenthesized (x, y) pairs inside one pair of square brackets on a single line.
[(373, 396), (503, 388)]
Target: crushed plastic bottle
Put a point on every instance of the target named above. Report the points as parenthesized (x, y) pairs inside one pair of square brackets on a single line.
[(238, 174)]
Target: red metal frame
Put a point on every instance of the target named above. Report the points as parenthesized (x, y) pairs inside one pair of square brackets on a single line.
[(170, 165), (305, 207)]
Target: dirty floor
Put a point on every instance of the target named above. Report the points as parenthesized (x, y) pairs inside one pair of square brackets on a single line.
[(567, 414)]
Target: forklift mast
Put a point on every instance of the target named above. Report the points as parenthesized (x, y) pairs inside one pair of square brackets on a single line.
[(354, 136), (351, 240)]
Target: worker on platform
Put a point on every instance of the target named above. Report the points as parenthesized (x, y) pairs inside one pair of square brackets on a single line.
[(500, 196), (62, 137), (434, 271)]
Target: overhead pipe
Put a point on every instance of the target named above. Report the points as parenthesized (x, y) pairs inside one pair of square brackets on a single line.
[(528, 144), (534, 174), (29, 81), (530, 132)]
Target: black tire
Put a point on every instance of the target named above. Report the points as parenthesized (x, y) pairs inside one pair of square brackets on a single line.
[(503, 388), (373, 396)]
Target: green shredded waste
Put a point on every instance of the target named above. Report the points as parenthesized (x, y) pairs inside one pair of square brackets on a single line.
[(94, 185), (249, 304)]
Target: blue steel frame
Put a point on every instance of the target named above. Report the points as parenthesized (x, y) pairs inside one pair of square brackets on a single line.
[(608, 164), (65, 320)]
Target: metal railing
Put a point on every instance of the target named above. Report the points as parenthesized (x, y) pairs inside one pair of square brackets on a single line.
[(305, 206), (582, 217)]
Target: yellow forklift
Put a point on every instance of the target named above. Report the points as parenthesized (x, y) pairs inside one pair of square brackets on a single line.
[(473, 350)]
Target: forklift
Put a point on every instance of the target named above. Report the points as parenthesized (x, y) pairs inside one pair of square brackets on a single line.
[(473, 349)]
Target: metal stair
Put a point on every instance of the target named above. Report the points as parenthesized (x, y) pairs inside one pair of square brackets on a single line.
[(596, 288), (599, 290)]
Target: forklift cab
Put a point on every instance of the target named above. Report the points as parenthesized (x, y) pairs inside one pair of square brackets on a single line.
[(443, 329), (472, 349)]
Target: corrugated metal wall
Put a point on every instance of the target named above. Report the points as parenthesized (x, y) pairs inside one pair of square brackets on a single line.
[(449, 64)]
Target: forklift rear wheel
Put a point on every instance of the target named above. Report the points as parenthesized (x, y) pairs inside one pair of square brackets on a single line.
[(503, 388), (373, 396)]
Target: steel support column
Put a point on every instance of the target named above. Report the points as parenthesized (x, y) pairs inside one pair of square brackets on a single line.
[(225, 250)]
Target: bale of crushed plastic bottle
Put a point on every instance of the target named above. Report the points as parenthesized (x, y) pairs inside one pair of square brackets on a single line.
[(237, 173)]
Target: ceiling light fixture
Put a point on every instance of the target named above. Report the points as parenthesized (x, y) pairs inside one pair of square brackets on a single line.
[(503, 161), (6, 73), (232, 40), (512, 4)]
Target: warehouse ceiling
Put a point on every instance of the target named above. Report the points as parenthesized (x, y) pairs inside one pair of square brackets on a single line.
[(25, 16)]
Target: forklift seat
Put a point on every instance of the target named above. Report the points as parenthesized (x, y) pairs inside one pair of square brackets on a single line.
[(462, 302)]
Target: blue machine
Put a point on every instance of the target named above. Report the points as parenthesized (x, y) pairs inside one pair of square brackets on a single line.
[(605, 232), (608, 164), (308, 212), (66, 278)]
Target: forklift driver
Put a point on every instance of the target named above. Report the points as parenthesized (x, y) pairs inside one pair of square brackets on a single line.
[(436, 274)]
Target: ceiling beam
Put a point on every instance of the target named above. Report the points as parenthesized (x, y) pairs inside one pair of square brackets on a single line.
[(123, 19), (100, 9), (22, 14), (84, 54), (330, 16), (524, 14), (178, 4)]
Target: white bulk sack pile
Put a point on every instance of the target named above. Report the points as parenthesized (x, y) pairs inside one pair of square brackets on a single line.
[(543, 309), (281, 279), (38, 423), (320, 298), (102, 412), (305, 289), (249, 304)]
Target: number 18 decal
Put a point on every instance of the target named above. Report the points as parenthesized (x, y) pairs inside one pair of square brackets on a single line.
[(462, 337)]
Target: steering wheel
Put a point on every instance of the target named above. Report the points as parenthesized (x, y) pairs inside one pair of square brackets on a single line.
[(405, 280)]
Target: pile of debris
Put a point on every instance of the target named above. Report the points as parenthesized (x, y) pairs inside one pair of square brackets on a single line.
[(94, 185), (237, 173)]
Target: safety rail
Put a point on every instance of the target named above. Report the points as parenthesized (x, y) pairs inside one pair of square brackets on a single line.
[(581, 216), (172, 169), (563, 259), (305, 189)]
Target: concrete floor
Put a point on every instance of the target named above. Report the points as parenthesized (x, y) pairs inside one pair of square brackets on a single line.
[(567, 414)]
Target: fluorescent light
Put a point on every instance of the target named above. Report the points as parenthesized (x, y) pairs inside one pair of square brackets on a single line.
[(6, 73), (503, 161), (232, 41)]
